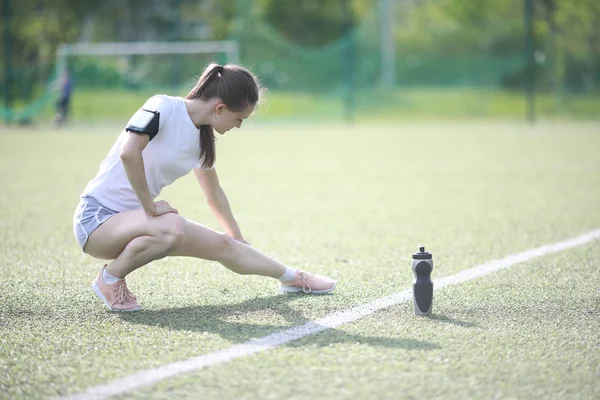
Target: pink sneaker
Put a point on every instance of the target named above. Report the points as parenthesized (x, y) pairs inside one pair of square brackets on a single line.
[(117, 296), (308, 283)]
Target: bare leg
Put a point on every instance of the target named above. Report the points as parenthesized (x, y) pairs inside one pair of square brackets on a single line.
[(133, 240), (202, 242)]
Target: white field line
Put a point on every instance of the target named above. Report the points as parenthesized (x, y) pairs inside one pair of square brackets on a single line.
[(152, 376)]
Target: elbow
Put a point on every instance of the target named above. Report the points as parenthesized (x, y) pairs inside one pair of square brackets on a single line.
[(128, 155)]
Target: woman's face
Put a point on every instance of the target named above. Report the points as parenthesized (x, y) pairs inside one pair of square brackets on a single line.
[(226, 119)]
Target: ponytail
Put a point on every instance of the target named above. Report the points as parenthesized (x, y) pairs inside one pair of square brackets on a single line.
[(207, 134), (207, 146), (206, 82)]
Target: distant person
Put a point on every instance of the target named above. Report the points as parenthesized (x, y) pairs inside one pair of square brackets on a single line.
[(118, 218), (64, 100)]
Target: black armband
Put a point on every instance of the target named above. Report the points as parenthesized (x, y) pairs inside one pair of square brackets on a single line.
[(144, 122)]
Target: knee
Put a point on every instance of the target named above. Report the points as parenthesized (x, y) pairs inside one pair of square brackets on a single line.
[(225, 248), (173, 231)]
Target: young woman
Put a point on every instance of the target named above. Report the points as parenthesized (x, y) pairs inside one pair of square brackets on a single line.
[(117, 218)]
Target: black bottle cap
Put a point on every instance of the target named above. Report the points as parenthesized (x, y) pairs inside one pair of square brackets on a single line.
[(422, 254)]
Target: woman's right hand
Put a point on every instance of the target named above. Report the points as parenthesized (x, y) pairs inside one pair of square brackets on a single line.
[(161, 207)]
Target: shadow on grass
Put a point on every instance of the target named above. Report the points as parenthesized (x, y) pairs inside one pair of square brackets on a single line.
[(334, 336), (453, 321), (221, 320)]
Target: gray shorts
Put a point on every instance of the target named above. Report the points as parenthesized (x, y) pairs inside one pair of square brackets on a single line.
[(89, 215)]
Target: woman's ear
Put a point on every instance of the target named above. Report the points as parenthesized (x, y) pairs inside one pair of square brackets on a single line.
[(220, 108)]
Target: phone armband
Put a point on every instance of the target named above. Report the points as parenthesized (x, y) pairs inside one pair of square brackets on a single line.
[(145, 122)]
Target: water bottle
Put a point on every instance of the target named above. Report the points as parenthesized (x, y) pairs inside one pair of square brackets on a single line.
[(422, 266)]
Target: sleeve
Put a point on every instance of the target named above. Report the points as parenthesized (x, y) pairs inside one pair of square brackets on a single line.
[(199, 166)]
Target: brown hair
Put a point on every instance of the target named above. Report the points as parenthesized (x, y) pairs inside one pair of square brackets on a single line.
[(235, 86)]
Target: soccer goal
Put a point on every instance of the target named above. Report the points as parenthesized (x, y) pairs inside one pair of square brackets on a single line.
[(142, 63)]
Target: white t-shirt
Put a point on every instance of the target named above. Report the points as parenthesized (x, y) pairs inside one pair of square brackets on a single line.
[(171, 154)]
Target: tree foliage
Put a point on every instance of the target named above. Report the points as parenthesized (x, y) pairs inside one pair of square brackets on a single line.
[(567, 33), (314, 22)]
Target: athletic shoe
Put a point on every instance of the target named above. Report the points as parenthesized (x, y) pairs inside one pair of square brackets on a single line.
[(117, 296), (308, 283)]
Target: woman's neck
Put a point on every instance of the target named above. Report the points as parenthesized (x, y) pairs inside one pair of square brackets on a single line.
[(200, 111)]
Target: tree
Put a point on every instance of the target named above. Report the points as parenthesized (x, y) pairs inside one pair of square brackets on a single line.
[(313, 22)]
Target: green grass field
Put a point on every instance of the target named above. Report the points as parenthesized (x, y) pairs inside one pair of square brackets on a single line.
[(351, 202), (408, 103)]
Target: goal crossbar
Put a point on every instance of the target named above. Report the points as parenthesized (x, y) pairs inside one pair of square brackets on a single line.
[(229, 47), (126, 48)]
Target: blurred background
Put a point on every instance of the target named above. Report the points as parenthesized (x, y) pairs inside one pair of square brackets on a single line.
[(320, 59)]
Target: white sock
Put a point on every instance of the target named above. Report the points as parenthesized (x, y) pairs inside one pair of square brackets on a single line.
[(108, 278), (288, 275)]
